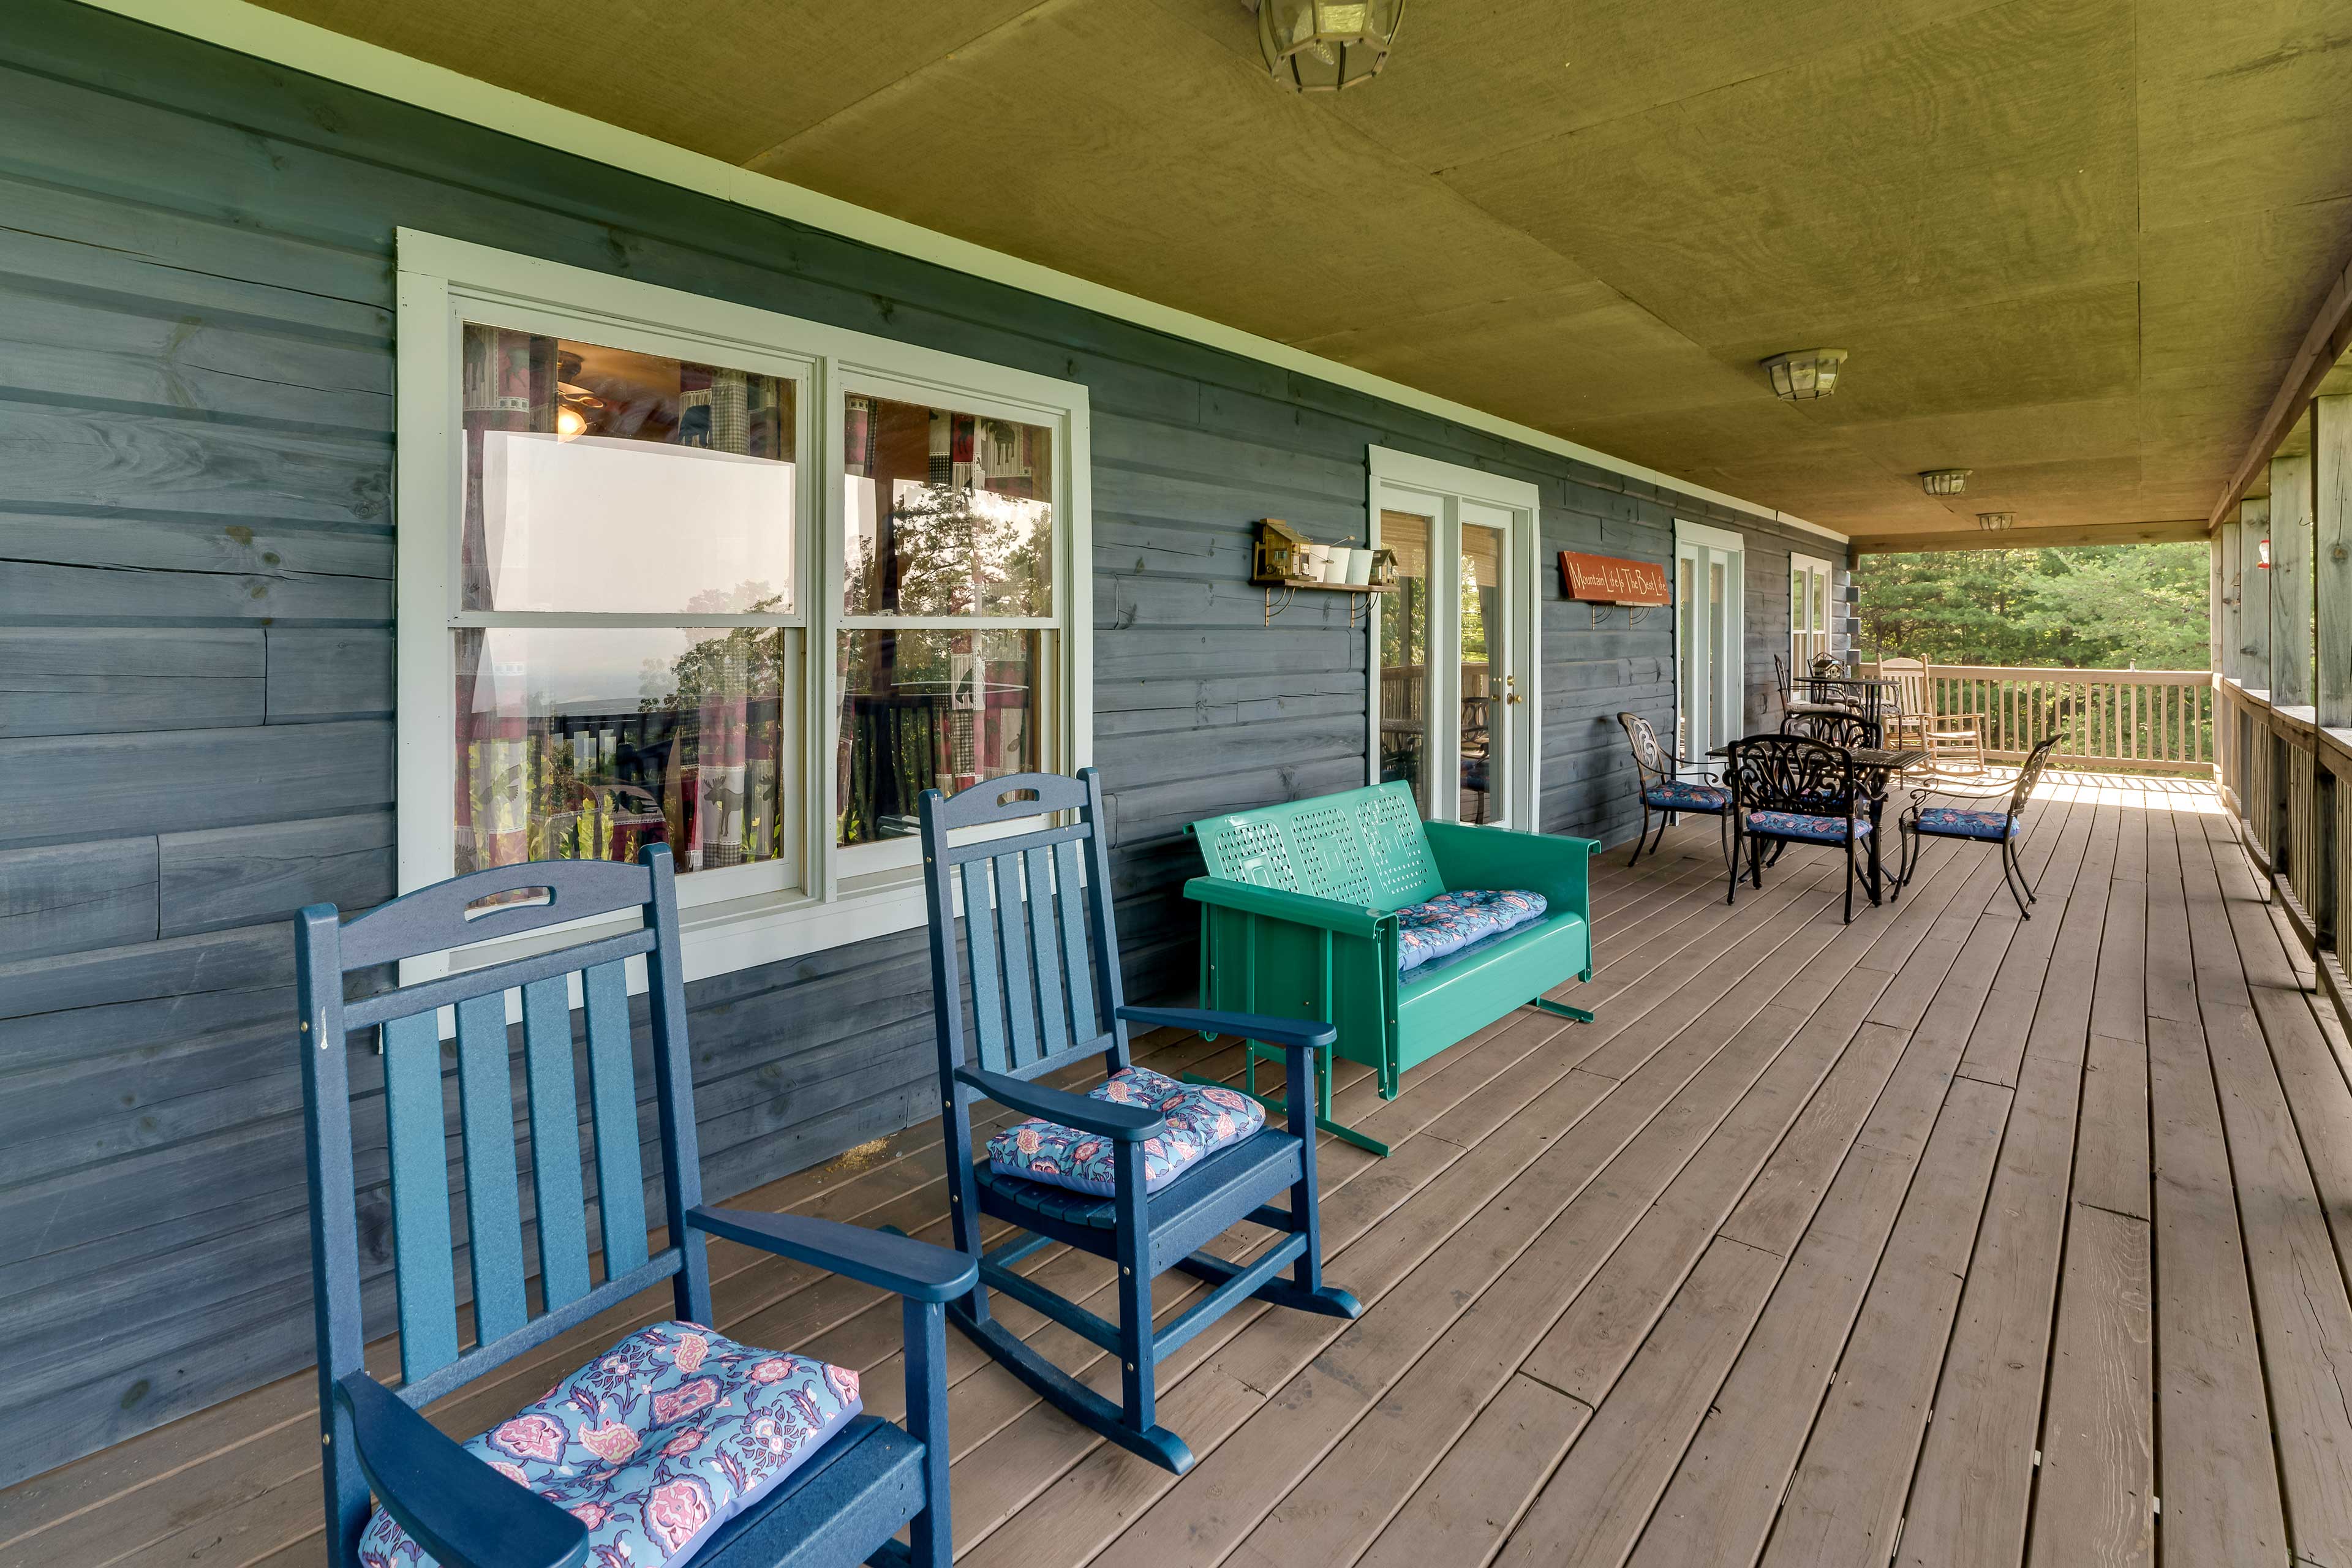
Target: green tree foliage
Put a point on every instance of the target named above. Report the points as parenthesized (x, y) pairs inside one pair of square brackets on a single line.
[(2107, 606)]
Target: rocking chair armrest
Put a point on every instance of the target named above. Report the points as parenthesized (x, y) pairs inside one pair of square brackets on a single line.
[(1103, 1118), (899, 1264), (461, 1511), (1311, 1033), (1279, 903)]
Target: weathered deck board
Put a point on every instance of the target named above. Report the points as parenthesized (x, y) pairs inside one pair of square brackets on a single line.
[(1678, 1288)]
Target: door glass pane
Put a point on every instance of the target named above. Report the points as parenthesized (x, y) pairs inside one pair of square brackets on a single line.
[(1689, 659), (1483, 724), (1723, 709), (930, 709), (603, 481), (586, 746), (1404, 656), (949, 513)]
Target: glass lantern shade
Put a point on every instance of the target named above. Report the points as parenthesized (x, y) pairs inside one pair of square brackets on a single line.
[(1944, 481), (1805, 374), (1323, 46), (1994, 522)]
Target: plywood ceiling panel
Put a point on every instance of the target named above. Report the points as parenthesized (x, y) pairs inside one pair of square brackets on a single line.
[(2071, 244)]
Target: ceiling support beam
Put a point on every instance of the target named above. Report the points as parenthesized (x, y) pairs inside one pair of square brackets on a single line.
[(2331, 514), (2324, 345), (2255, 610), (2173, 531)]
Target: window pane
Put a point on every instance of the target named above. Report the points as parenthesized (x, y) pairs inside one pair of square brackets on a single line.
[(930, 709), (603, 481), (949, 514), (585, 746), (1484, 636), (1404, 656)]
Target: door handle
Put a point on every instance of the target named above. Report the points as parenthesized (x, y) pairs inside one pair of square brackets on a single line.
[(1510, 689)]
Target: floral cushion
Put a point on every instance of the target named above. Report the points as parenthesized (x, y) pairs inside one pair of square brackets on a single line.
[(1201, 1119), (1811, 829), (1674, 794), (1949, 822), (655, 1442), (1451, 921)]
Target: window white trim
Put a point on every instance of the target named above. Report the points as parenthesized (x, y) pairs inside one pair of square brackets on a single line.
[(263, 33), (1408, 482), (1701, 544), (742, 916)]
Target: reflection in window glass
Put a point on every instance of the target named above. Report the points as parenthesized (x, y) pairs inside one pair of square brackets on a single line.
[(1404, 656), (930, 709), (589, 744), (1483, 638), (604, 481), (949, 514)]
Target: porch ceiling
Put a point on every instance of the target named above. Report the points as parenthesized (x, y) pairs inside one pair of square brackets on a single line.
[(2072, 245)]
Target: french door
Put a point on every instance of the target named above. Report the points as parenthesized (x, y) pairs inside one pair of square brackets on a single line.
[(1709, 674), (1453, 646)]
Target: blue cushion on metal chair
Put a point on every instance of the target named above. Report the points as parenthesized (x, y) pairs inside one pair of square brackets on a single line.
[(1437, 927), (656, 1443), (1948, 822), (1674, 794), (1201, 1119), (1810, 829)]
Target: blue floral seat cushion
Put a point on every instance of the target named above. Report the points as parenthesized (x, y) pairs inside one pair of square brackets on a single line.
[(1677, 794), (1443, 925), (655, 1442), (1201, 1119), (1811, 829), (1949, 822)]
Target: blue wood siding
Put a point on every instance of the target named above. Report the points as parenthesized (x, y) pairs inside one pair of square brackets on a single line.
[(196, 542)]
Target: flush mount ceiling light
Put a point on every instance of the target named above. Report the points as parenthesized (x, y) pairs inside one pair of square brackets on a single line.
[(1994, 522), (1323, 46), (1944, 481), (1804, 373)]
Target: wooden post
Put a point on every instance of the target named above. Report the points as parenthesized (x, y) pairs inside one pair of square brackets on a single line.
[(2231, 661), (2290, 621), (2331, 517), (2255, 607)]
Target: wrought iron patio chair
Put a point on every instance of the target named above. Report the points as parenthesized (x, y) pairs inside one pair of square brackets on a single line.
[(1144, 1170), (1983, 823), (1666, 793), (1794, 789), (1791, 704), (1842, 728), (674, 1446)]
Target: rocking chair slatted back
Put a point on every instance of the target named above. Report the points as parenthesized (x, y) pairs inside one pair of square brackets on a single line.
[(434, 1359), (1036, 934)]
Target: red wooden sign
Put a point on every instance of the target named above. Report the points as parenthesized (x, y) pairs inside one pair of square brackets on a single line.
[(1608, 580)]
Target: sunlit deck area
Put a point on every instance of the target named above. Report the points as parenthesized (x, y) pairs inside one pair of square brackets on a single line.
[(1942, 1237)]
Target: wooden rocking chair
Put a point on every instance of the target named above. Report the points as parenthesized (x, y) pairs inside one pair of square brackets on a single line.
[(703, 1452), (1046, 992)]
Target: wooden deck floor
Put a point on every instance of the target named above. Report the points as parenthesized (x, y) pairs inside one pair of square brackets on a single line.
[(1942, 1238)]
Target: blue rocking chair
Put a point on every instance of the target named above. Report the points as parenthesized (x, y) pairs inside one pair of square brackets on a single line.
[(1144, 1170), (677, 1445)]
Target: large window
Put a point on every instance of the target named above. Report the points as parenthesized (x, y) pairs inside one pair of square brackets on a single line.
[(677, 571), (1809, 611)]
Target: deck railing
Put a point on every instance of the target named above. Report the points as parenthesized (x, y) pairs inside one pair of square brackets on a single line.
[(2287, 781), (2155, 720)]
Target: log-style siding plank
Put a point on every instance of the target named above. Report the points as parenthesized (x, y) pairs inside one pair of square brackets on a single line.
[(71, 896), (77, 680), (222, 877)]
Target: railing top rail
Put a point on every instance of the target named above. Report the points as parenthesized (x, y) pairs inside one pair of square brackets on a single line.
[(2041, 672)]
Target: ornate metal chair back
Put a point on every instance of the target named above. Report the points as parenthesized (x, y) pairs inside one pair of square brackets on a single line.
[(1792, 774)]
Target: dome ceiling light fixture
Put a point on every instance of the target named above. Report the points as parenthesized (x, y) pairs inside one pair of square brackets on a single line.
[(1944, 481), (1802, 374), (1325, 46), (1994, 522)]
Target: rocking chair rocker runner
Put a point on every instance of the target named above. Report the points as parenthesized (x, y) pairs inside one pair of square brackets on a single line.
[(1043, 968), (700, 1452)]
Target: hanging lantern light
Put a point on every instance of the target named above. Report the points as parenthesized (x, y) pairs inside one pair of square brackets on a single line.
[(1801, 375), (1944, 481), (1323, 46), (1994, 522)]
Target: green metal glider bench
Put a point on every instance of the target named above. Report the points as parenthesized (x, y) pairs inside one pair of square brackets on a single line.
[(1299, 920)]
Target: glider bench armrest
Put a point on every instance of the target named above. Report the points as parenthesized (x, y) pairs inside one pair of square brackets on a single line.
[(1278, 903), (1311, 1034), (461, 1511), (899, 1264), (1103, 1118), (1557, 866)]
